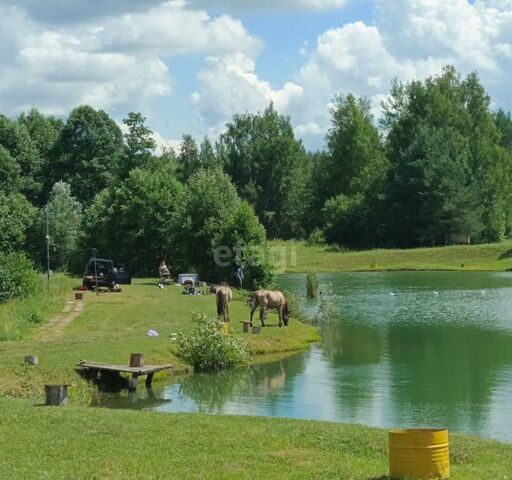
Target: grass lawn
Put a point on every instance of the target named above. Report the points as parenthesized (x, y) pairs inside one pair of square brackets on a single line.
[(113, 325), (298, 257), (38, 442), (17, 317), (86, 443)]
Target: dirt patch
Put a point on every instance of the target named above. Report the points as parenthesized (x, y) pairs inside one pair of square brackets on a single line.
[(55, 327)]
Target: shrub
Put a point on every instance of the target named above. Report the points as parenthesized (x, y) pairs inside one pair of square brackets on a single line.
[(312, 285), (208, 349), (17, 277), (316, 237)]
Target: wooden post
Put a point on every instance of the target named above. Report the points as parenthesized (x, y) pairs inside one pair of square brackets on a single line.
[(56, 394), (133, 382), (137, 360), (246, 326), (149, 380), (31, 360), (79, 295)]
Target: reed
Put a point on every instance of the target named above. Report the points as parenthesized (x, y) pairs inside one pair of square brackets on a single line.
[(312, 285)]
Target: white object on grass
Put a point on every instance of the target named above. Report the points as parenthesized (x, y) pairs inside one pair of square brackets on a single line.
[(152, 333)]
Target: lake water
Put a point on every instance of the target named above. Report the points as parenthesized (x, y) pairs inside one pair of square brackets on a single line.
[(408, 349)]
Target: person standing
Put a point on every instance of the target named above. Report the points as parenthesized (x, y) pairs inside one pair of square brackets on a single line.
[(164, 273), (240, 276)]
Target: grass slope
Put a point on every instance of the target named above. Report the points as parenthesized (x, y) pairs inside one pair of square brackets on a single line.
[(113, 325), (298, 257), (82, 443), (17, 317)]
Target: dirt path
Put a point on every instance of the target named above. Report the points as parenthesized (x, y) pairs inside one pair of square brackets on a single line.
[(55, 327)]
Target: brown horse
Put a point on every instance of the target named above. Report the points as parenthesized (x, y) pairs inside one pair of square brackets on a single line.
[(223, 296), (266, 299)]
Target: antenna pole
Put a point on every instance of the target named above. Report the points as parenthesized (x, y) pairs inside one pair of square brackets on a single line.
[(47, 245)]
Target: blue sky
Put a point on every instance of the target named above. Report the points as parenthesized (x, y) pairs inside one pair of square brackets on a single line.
[(189, 66)]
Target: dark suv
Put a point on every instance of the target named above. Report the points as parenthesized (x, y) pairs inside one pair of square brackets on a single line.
[(100, 272)]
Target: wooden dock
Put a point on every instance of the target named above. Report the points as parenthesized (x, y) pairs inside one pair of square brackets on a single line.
[(136, 372)]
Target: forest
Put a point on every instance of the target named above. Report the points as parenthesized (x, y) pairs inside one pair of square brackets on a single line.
[(434, 169)]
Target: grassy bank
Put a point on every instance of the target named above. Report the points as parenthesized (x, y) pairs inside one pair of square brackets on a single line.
[(113, 325), (299, 257), (85, 443), (18, 317)]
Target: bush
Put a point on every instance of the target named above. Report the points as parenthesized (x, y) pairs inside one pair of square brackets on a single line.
[(316, 237), (312, 285), (208, 349), (17, 277)]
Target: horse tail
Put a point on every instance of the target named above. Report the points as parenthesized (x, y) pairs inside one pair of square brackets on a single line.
[(220, 303)]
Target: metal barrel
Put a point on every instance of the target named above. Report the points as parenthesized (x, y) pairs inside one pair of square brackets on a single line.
[(419, 454)]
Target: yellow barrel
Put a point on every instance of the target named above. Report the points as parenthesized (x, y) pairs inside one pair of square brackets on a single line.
[(419, 454)]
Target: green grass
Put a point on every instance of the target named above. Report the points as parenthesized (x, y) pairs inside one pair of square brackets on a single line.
[(18, 317), (81, 443), (113, 325), (92, 443), (298, 257)]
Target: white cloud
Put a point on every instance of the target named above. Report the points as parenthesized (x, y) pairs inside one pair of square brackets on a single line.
[(165, 143), (272, 4), (60, 53), (230, 85), (410, 39), (115, 63)]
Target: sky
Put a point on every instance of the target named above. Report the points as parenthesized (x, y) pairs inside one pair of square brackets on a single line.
[(188, 66)]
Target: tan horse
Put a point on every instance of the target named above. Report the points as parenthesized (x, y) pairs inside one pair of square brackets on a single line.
[(266, 299), (223, 295)]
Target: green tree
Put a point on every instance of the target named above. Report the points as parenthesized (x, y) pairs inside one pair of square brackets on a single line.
[(355, 161), (10, 178), (140, 144), (44, 131), (17, 217), (139, 220), (267, 165), (15, 138), (349, 177), (207, 157), (443, 145), (504, 124), (218, 223), (91, 145), (188, 158), (63, 213)]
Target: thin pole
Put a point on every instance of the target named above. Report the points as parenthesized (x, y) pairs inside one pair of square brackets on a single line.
[(47, 247), (95, 271)]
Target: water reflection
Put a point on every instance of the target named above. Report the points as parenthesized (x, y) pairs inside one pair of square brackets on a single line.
[(438, 352)]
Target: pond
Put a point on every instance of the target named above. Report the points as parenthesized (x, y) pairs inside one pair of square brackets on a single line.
[(407, 349)]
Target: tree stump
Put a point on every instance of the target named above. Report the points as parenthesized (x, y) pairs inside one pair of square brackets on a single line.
[(246, 326), (137, 360), (31, 360), (79, 295), (256, 330), (56, 395)]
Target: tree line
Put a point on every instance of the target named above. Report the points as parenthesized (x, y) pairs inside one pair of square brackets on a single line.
[(435, 169)]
